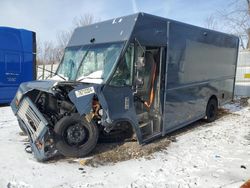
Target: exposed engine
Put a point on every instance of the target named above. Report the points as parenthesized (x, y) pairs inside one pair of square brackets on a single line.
[(62, 127), (56, 105)]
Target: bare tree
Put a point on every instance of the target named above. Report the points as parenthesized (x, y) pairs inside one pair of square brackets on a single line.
[(64, 36), (248, 2), (63, 39), (47, 53), (38, 51), (211, 23), (236, 20), (86, 19), (51, 53), (248, 30)]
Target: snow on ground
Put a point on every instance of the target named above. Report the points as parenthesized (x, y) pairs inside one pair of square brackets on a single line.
[(211, 155)]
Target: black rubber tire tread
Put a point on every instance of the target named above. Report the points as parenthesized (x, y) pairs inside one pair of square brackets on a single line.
[(212, 103), (72, 151)]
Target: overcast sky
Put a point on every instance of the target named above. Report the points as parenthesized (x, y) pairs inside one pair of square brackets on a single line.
[(48, 17)]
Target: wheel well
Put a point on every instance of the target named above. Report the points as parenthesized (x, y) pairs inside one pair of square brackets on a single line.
[(121, 130), (213, 97), (126, 123)]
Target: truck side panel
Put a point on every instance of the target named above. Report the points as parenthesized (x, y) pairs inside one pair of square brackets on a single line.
[(11, 66), (201, 63), (17, 61)]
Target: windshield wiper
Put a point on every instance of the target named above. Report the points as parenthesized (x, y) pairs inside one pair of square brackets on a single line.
[(55, 73)]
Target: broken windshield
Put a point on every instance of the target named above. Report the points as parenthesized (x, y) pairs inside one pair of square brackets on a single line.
[(92, 64)]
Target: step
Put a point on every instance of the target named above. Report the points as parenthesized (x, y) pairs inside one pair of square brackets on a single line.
[(146, 128), (142, 116), (149, 138)]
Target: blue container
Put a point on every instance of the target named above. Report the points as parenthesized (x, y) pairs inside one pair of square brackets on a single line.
[(17, 60)]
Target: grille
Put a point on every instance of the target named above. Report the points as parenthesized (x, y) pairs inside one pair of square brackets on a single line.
[(29, 115)]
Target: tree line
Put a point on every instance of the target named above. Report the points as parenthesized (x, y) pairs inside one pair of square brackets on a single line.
[(51, 53), (234, 18)]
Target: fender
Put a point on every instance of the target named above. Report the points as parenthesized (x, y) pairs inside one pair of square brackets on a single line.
[(112, 104), (82, 97)]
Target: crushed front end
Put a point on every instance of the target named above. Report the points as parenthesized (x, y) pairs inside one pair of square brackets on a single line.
[(68, 118), (38, 109), (36, 126)]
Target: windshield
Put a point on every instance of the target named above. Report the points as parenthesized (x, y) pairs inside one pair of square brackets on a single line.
[(92, 63)]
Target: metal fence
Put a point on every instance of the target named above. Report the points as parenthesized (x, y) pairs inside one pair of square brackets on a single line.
[(45, 71)]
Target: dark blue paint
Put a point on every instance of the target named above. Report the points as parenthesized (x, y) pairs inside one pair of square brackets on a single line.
[(17, 60), (84, 104), (197, 63)]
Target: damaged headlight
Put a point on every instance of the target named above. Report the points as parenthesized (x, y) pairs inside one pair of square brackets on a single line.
[(19, 95)]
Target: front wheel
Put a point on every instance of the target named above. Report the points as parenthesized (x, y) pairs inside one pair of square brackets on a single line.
[(212, 109), (75, 137)]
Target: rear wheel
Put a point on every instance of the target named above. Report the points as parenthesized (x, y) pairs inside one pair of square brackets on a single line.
[(212, 109), (75, 137)]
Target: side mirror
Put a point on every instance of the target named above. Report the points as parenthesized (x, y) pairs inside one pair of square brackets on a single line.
[(140, 63)]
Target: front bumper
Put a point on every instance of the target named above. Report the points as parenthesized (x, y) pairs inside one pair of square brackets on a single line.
[(37, 129)]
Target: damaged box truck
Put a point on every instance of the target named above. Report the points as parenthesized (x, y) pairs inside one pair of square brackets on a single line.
[(139, 75)]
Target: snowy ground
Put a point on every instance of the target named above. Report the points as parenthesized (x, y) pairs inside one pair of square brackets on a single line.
[(211, 155)]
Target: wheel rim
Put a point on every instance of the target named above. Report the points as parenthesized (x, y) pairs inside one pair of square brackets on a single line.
[(76, 135)]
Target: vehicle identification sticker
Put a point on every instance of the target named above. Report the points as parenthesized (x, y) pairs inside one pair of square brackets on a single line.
[(84, 92)]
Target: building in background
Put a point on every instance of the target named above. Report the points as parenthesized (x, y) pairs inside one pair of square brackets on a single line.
[(242, 83)]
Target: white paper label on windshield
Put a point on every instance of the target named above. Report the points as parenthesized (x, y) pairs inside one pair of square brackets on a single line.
[(84, 92)]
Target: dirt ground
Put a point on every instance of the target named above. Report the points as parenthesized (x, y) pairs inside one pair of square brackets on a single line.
[(110, 153)]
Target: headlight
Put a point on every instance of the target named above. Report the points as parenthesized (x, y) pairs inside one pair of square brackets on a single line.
[(18, 97)]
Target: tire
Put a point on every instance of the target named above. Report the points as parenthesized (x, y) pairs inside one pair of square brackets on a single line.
[(21, 127), (211, 110), (75, 137)]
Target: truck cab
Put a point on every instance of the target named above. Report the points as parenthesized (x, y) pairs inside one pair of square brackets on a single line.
[(17, 60)]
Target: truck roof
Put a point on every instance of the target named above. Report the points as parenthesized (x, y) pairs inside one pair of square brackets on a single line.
[(122, 28), (15, 39), (117, 29)]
